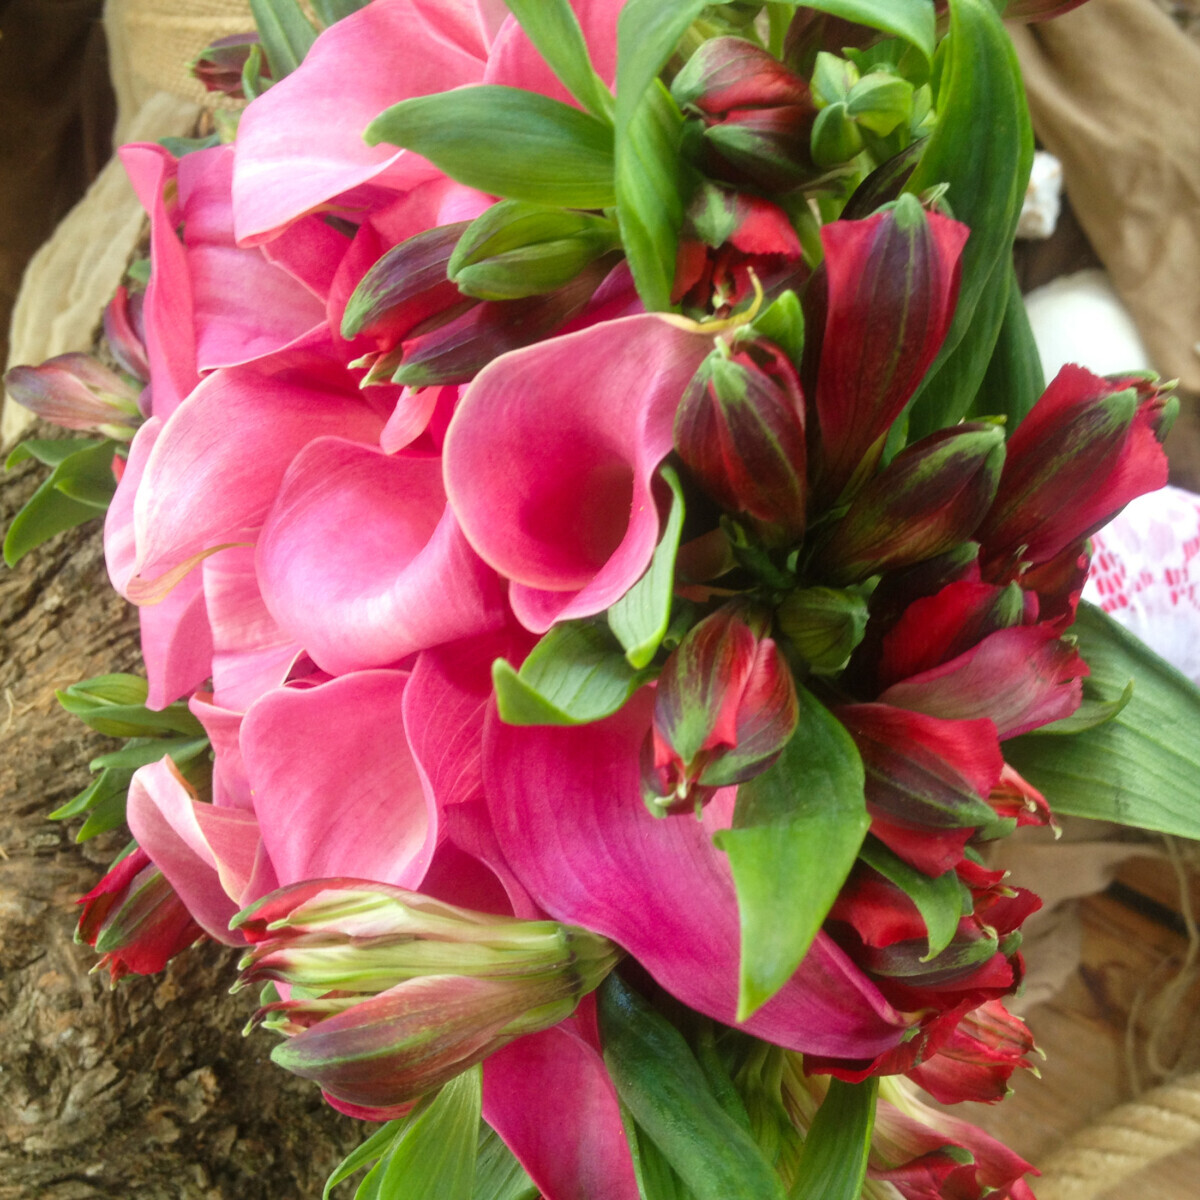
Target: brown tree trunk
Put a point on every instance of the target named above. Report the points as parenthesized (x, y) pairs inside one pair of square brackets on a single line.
[(148, 1091)]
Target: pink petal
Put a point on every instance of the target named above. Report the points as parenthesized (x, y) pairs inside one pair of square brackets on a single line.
[(550, 1098), (300, 143), (231, 787), (566, 806), (335, 787), (168, 313), (208, 854), (550, 455), (310, 250), (251, 653), (363, 563), (410, 418), (215, 469), (120, 549), (177, 644)]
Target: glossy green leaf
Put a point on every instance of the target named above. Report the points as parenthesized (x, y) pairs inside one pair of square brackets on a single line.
[(834, 1163), (911, 20), (577, 673), (332, 11), (108, 783), (115, 705), (498, 1175), (1013, 380), (107, 813), (137, 752), (49, 451), (1142, 767), (372, 1149), (554, 30), (640, 617), (507, 142), (939, 901), (46, 514), (664, 1089), (286, 34), (980, 89), (656, 1178), (435, 1156), (796, 832)]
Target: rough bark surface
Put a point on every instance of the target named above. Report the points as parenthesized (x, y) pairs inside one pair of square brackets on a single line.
[(148, 1092)]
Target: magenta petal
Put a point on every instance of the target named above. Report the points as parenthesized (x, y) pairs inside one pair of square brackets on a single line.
[(177, 643), (310, 250), (205, 486), (300, 143), (169, 319), (362, 561), (251, 654), (550, 455), (567, 810), (208, 854), (550, 1098), (335, 787), (231, 787)]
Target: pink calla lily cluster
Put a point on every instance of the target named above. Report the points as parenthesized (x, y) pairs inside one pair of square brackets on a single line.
[(359, 486)]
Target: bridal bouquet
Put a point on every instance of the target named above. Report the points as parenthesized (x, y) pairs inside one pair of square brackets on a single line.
[(608, 565)]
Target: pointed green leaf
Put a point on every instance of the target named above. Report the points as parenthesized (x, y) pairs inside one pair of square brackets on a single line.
[(373, 1148), (332, 11), (115, 705), (939, 901), (833, 1165), (46, 514), (498, 1175), (140, 751), (1142, 768), (1013, 380), (640, 617), (660, 1082), (435, 1157), (655, 1177), (554, 30), (87, 477), (507, 142), (108, 783), (286, 34), (49, 451), (107, 813), (782, 322), (797, 829), (574, 675), (980, 87)]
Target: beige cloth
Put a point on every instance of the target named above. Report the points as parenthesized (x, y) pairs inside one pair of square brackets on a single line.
[(74, 274), (1114, 89)]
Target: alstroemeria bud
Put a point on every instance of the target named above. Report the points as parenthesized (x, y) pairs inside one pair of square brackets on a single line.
[(219, 65), (928, 499), (404, 992), (77, 392), (757, 113), (835, 136), (125, 332), (724, 709), (824, 625), (880, 102), (740, 430), (406, 292), (516, 249), (134, 919), (1087, 448)]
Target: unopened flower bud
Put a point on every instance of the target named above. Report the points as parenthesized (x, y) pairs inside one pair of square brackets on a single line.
[(724, 708), (220, 64), (516, 249), (836, 138), (125, 333), (926, 501), (401, 992), (77, 392), (740, 430), (824, 625), (134, 919)]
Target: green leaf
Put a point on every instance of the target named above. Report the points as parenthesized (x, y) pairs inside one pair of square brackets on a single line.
[(286, 34), (554, 30), (574, 675), (373, 1148), (797, 829), (254, 83), (331, 11), (435, 1156), (980, 89), (1142, 767), (49, 451), (640, 617), (108, 783), (107, 813), (664, 1089), (115, 705), (655, 1177), (177, 147), (47, 513), (1013, 380), (498, 1175), (782, 322), (912, 20), (833, 1165), (139, 751), (939, 901), (508, 142)]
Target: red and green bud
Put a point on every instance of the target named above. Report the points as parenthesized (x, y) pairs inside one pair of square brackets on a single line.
[(407, 292), (877, 312), (516, 249), (77, 392), (724, 708), (397, 993), (1088, 447), (824, 625), (125, 332), (134, 919), (926, 501), (220, 64), (757, 113), (740, 430)]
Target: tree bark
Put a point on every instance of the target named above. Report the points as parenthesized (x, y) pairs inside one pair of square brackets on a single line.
[(148, 1091)]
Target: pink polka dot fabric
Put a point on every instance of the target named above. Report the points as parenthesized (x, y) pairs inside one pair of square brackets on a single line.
[(1146, 574)]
